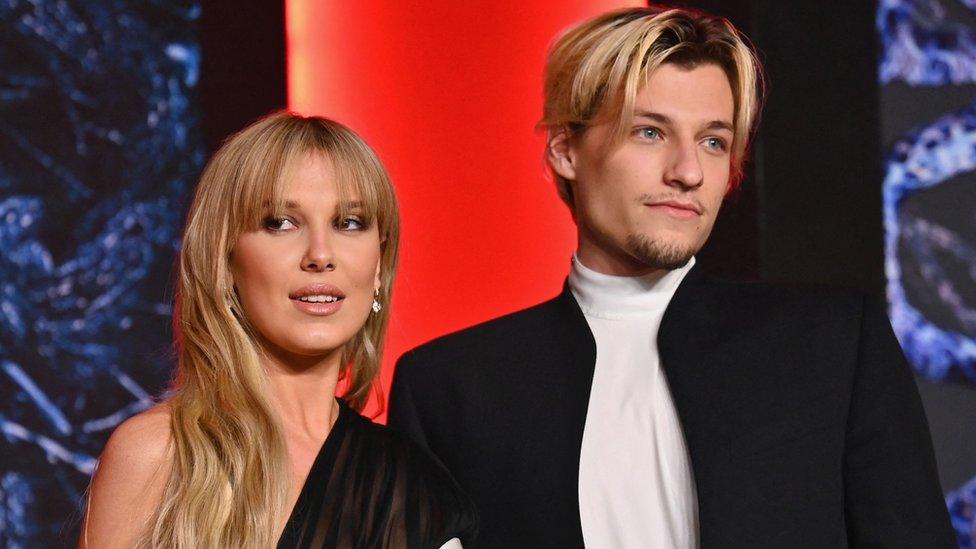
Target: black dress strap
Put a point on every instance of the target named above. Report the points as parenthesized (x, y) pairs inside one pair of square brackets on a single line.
[(370, 487)]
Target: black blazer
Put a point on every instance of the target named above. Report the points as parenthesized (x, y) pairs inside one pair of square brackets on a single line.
[(801, 416)]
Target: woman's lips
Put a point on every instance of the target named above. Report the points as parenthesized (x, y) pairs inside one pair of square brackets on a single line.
[(318, 309), (319, 299)]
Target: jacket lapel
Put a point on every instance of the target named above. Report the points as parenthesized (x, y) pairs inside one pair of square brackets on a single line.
[(691, 330)]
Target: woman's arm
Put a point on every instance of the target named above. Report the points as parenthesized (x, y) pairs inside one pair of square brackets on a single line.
[(129, 481)]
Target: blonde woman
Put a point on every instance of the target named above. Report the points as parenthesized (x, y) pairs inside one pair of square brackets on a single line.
[(285, 277)]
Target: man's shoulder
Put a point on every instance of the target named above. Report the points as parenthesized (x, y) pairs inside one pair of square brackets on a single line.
[(494, 338), (808, 304)]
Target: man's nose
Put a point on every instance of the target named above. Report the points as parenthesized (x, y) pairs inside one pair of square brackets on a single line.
[(684, 167)]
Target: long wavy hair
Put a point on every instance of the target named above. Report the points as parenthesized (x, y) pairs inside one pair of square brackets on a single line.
[(229, 479)]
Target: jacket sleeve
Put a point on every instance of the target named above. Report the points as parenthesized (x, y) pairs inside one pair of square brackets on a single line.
[(892, 492), (404, 415)]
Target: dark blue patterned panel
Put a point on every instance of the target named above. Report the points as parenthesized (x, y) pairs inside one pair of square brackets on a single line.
[(922, 46), (929, 197), (962, 510), (922, 251), (99, 148)]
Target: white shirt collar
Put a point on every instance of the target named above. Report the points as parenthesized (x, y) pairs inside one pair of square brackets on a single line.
[(608, 296)]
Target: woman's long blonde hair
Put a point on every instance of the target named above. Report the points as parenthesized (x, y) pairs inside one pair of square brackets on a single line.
[(229, 479)]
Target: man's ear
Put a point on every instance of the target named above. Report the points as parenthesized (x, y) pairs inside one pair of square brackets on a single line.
[(733, 184), (560, 153)]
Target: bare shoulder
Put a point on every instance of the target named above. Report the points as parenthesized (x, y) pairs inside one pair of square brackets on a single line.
[(129, 479), (140, 443)]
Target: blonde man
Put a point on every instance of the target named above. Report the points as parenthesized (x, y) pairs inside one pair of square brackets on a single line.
[(647, 406)]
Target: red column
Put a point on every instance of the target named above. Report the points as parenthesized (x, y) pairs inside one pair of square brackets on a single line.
[(447, 93)]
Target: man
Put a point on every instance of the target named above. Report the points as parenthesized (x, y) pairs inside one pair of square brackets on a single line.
[(647, 406)]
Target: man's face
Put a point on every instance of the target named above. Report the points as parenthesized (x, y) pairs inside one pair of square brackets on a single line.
[(649, 202)]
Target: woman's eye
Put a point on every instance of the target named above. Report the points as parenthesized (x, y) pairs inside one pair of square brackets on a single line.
[(716, 144), (276, 224), (352, 224), (648, 133)]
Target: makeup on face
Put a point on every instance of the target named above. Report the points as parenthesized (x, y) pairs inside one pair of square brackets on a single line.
[(306, 277)]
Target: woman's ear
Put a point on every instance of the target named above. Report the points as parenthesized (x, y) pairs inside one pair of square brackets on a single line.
[(560, 153), (228, 279), (377, 282)]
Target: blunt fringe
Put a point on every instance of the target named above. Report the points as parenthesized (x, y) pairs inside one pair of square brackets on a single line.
[(229, 479)]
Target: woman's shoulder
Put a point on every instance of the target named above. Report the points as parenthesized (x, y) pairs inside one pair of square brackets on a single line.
[(141, 439), (402, 452), (424, 480), (138, 449), (129, 478)]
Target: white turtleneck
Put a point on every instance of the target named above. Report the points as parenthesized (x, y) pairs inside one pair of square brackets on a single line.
[(636, 487)]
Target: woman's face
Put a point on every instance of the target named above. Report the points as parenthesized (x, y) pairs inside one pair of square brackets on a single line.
[(306, 279)]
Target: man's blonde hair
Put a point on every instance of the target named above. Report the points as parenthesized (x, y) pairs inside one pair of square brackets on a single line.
[(595, 70)]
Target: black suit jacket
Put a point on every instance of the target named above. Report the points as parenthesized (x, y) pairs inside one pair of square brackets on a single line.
[(801, 416)]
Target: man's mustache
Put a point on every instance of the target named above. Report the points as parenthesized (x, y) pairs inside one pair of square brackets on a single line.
[(673, 199)]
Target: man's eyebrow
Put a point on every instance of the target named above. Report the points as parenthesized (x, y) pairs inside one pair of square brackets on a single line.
[(655, 116), (664, 119), (720, 125)]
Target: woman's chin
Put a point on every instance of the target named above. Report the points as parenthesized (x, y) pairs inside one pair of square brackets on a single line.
[(308, 352)]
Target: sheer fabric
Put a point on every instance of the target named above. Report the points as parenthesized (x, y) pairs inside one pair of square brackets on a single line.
[(372, 487)]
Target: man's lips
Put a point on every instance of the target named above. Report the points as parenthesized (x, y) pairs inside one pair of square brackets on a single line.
[(675, 208)]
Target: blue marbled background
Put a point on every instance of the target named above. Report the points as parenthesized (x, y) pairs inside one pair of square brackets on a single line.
[(99, 148), (100, 145), (929, 196)]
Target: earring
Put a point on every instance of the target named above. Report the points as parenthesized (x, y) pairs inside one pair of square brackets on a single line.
[(376, 304)]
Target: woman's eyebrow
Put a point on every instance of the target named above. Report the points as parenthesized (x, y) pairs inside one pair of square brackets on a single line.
[(292, 205)]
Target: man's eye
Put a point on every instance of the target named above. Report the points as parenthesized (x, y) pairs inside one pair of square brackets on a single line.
[(648, 133), (276, 224), (716, 144), (351, 224)]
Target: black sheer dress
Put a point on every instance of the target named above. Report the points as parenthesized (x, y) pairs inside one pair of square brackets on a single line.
[(372, 487)]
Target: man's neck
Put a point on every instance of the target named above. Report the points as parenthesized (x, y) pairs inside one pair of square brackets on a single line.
[(619, 264)]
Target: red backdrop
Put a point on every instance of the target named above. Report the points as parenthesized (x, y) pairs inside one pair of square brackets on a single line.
[(448, 93)]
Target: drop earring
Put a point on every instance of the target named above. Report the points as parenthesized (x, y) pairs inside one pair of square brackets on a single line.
[(376, 304)]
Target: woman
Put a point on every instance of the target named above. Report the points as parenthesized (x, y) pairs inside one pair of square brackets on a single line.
[(285, 277)]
